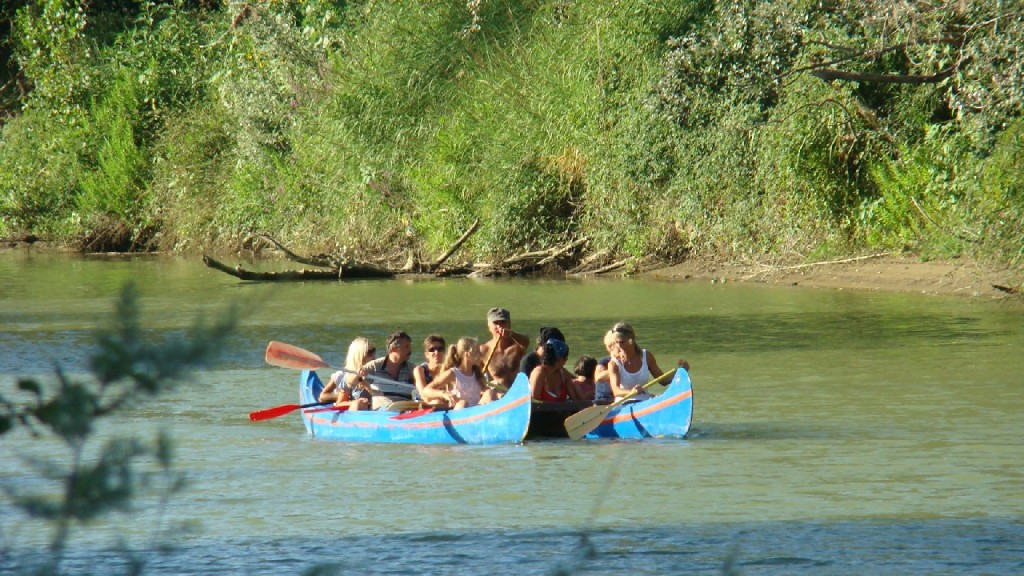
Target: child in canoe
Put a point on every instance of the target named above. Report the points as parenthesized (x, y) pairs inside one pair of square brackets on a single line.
[(461, 382)]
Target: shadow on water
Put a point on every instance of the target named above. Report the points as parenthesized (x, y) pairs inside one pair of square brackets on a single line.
[(874, 546)]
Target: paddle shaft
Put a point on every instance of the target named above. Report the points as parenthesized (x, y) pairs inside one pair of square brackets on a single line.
[(289, 356), (282, 410)]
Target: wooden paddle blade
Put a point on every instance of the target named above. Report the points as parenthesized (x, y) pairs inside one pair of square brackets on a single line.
[(273, 412), (412, 414), (288, 356), (581, 423), (403, 405)]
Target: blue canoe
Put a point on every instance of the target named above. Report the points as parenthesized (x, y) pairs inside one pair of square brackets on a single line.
[(667, 415), (503, 421)]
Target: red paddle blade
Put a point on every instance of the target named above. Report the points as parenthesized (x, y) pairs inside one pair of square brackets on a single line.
[(412, 414), (273, 412), (288, 356)]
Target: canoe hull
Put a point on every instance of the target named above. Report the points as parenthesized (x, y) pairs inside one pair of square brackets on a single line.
[(504, 421), (665, 416)]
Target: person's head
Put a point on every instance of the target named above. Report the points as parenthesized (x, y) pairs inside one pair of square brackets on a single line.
[(624, 337), (360, 351), (609, 341), (434, 348), (499, 321), (554, 351), (548, 333), (585, 367), (399, 346), (466, 348)]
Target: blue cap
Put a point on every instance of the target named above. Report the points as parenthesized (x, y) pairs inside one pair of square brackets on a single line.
[(559, 347)]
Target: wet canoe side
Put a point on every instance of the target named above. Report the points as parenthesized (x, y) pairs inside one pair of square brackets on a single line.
[(504, 421), (668, 415)]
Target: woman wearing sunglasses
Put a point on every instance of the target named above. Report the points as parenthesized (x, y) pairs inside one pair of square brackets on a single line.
[(433, 351)]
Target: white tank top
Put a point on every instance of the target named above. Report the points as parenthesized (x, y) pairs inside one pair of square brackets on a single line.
[(466, 387), (629, 380)]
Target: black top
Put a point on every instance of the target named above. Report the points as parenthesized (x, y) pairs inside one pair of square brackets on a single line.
[(529, 362)]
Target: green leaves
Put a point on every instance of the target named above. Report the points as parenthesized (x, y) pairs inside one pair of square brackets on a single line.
[(129, 366)]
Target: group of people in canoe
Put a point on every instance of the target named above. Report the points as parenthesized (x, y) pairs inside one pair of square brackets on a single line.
[(468, 373)]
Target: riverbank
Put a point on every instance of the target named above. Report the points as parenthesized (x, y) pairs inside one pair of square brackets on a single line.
[(891, 273)]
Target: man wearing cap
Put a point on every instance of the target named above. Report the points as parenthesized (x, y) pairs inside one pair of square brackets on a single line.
[(505, 349)]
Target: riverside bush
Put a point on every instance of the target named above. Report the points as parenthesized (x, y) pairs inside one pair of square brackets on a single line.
[(656, 129)]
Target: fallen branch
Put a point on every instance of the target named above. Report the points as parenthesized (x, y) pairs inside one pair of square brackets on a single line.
[(322, 261), (458, 244), (612, 266), (770, 269), (583, 266), (563, 251), (356, 271), (1006, 289)]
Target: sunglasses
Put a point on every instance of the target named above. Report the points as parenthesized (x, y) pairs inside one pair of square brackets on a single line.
[(436, 349)]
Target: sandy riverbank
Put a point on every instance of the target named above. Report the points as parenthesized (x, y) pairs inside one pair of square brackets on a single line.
[(888, 273)]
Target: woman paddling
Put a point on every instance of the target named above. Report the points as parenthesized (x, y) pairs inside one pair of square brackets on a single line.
[(631, 366)]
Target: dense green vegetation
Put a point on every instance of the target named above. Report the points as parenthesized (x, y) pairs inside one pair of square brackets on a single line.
[(788, 130)]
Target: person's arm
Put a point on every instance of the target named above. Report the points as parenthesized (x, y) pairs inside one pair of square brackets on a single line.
[(521, 339), (438, 388), (653, 368), (329, 393), (419, 377), (573, 387), (535, 386)]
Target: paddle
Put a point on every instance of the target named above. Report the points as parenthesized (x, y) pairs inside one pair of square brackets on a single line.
[(412, 413), (327, 409), (483, 371), (288, 356), (583, 422), (282, 410)]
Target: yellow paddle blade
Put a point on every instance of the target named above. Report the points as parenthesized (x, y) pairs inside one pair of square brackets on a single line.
[(584, 421), (403, 405)]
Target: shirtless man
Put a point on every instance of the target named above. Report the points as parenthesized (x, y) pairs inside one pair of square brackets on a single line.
[(505, 348)]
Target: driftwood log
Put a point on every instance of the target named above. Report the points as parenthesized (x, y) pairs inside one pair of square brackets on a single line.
[(559, 259), (347, 272)]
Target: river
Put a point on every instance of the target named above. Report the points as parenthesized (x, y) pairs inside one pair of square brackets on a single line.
[(835, 432)]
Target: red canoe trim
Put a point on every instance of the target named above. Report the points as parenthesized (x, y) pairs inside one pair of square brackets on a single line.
[(412, 422), (625, 415)]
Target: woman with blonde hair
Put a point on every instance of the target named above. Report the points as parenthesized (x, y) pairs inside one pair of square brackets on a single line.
[(631, 366), (461, 382), (348, 386)]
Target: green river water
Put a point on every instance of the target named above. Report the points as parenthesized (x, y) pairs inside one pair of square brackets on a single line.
[(835, 432)]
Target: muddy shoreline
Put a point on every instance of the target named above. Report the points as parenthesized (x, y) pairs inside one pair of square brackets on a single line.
[(869, 273)]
